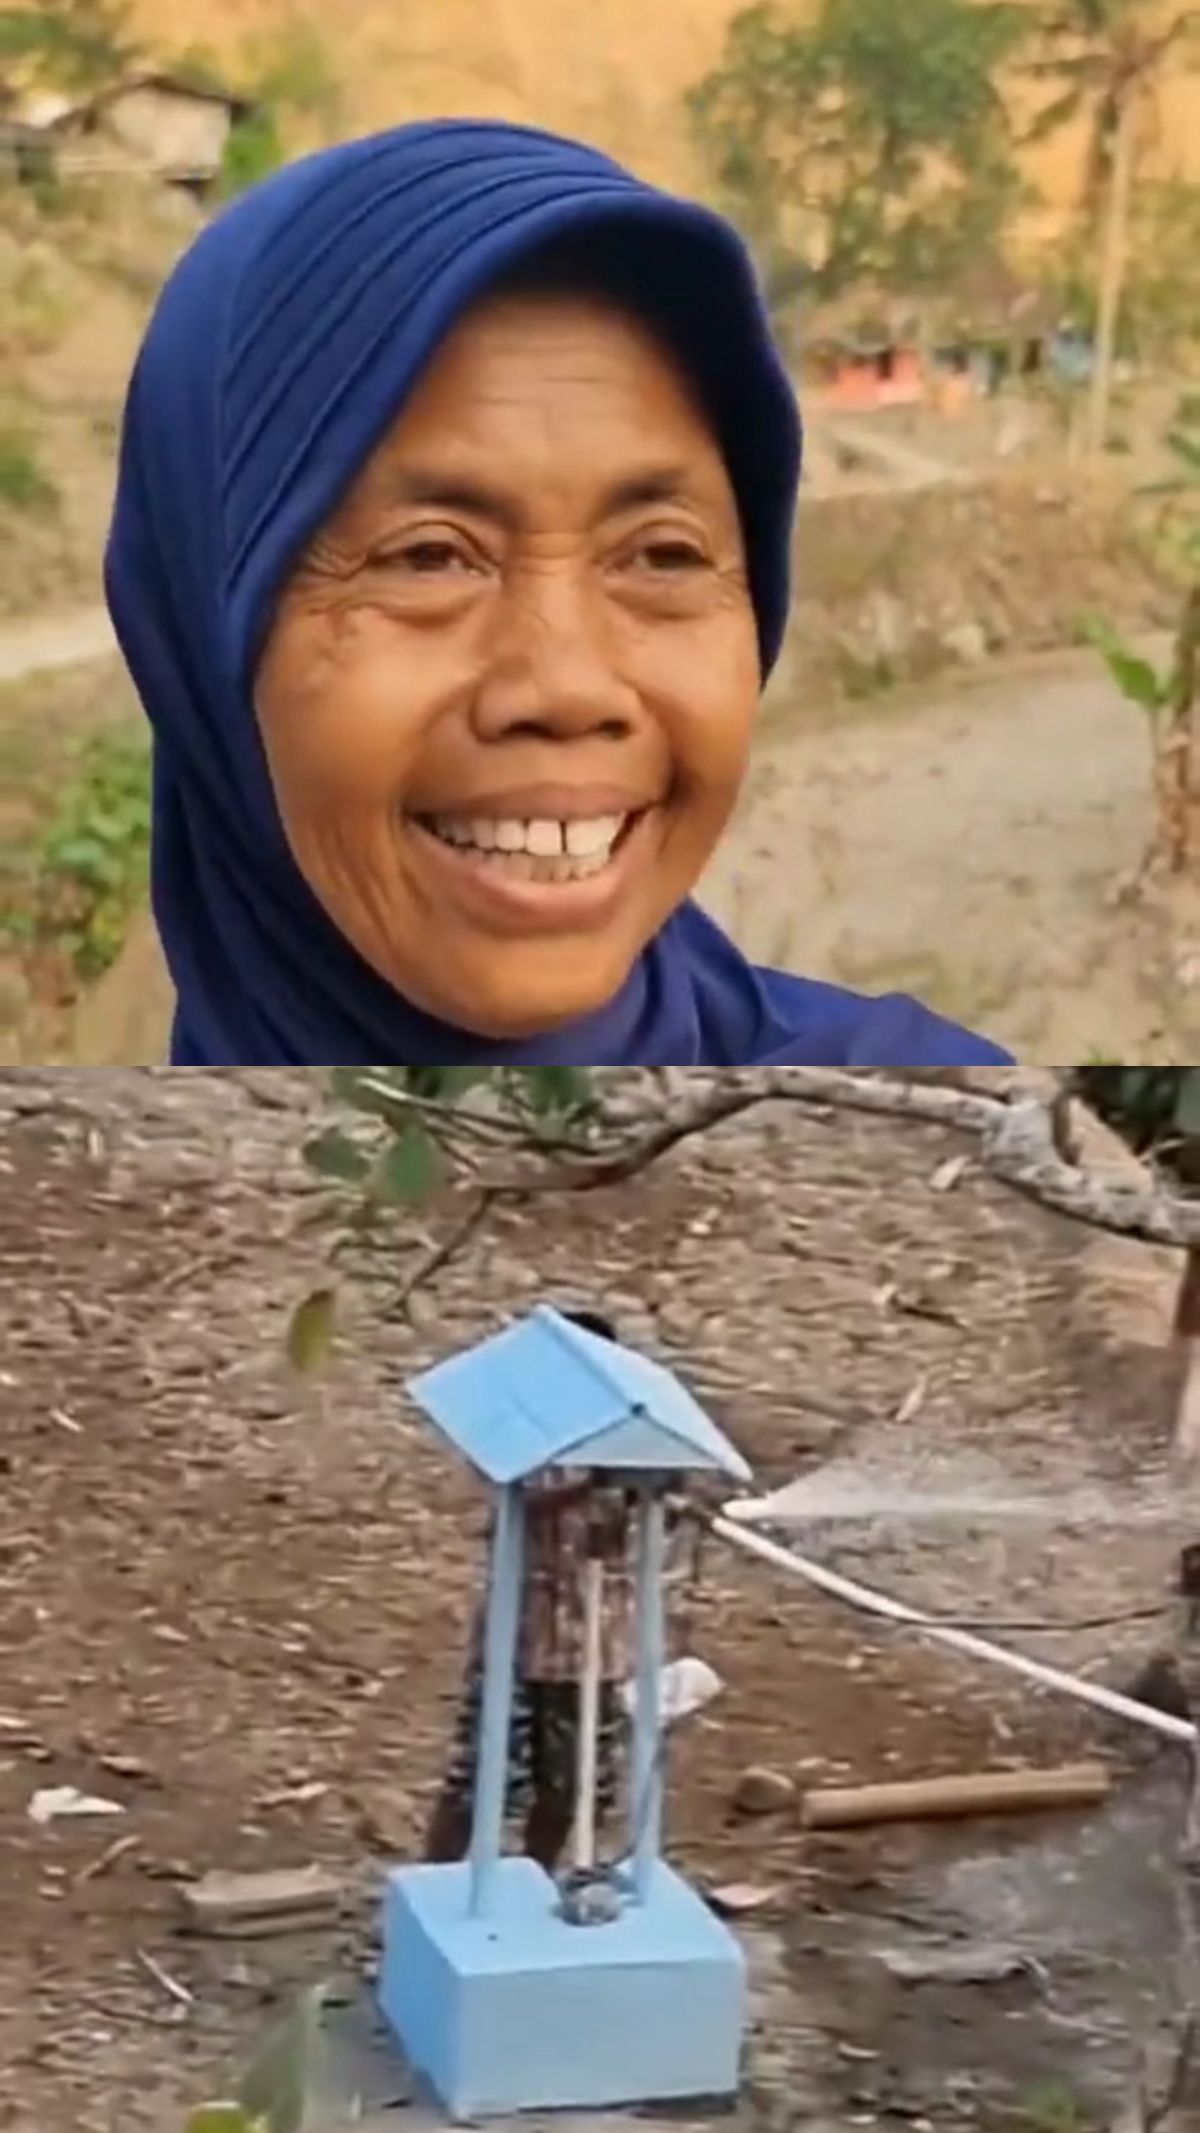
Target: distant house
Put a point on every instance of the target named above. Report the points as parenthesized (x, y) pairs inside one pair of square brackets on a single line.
[(176, 126), (872, 351), (170, 126), (993, 326), (874, 373), (865, 355)]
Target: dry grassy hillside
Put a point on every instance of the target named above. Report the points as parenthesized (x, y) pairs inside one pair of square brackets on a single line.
[(612, 70)]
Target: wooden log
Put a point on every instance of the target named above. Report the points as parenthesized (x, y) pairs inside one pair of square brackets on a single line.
[(995, 1792)]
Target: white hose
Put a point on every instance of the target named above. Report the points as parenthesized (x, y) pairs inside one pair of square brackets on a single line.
[(589, 1716), (959, 1640)]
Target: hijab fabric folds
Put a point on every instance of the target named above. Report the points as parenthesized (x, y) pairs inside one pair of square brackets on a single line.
[(281, 350)]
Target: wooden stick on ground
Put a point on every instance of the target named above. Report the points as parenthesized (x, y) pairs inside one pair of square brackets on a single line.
[(986, 1792)]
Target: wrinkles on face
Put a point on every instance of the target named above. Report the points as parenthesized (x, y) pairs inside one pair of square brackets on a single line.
[(535, 590), (324, 596)]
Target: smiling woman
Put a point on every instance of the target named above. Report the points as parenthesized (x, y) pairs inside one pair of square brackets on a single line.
[(546, 547), (450, 554)]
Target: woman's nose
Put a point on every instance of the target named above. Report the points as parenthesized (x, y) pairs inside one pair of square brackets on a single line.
[(550, 668)]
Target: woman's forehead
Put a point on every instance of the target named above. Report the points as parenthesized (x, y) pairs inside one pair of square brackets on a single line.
[(534, 386)]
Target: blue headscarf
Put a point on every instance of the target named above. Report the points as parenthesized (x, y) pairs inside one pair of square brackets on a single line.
[(281, 350)]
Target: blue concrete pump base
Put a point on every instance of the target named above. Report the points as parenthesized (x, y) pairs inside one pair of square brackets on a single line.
[(517, 2010)]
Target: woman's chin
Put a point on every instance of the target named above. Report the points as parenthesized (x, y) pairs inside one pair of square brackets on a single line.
[(538, 1011), (517, 994)]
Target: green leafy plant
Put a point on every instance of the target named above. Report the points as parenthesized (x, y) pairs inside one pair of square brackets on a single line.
[(253, 149), (1170, 693), (276, 2094), (223, 2118), (74, 45), (23, 483), (410, 1123), (294, 94), (407, 1132), (94, 860), (1053, 2107), (1139, 680), (1156, 1109)]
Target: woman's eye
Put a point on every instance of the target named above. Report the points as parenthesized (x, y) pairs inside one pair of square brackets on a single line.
[(668, 556), (428, 559), (428, 555)]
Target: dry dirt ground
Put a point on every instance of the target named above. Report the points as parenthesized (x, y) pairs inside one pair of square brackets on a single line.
[(964, 841), (237, 1605)]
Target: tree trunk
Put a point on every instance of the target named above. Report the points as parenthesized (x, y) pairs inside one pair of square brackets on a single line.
[(1185, 713), (1186, 1344), (1114, 259), (1176, 843)]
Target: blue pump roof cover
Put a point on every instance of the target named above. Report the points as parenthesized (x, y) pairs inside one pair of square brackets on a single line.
[(545, 1392)]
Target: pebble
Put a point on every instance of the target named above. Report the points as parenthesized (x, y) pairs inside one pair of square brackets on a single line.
[(761, 1791)]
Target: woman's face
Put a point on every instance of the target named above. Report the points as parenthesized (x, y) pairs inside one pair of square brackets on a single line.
[(508, 693)]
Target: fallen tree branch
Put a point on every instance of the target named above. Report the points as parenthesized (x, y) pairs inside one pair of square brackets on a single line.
[(818, 1089), (1025, 1142), (615, 1167), (1019, 1149), (1020, 1143), (564, 1166), (440, 1253)]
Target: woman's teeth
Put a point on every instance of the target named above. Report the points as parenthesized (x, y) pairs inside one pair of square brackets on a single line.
[(533, 851)]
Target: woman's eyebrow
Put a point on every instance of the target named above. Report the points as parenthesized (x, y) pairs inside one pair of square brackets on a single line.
[(654, 485), (445, 491), (451, 492)]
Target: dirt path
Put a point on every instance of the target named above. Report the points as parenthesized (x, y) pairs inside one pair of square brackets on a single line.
[(905, 465), (237, 1607), (961, 841), (54, 641)]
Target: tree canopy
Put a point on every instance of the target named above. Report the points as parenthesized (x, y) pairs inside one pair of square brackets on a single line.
[(871, 145), (1095, 57), (77, 46)]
